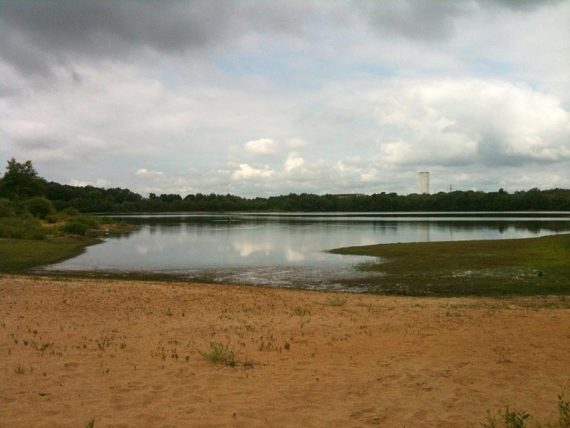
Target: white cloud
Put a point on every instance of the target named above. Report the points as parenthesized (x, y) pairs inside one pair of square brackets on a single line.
[(100, 182), (464, 121), (296, 143), (145, 173), (293, 161), (262, 146), (247, 172)]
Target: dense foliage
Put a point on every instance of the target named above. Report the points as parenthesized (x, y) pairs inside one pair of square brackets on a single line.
[(92, 199), (21, 181)]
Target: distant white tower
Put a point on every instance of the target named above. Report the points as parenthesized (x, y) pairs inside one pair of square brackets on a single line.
[(424, 182)]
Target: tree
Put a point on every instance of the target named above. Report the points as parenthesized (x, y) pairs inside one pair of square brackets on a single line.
[(39, 207), (21, 181)]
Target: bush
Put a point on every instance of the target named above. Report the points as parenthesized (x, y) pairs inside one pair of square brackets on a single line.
[(6, 208), (75, 227), (21, 228), (70, 212), (39, 207), (90, 222)]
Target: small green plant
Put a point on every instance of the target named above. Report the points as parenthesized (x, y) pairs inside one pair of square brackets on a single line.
[(491, 421), (20, 369), (220, 354), (301, 312), (336, 301), (510, 418), (90, 424), (515, 419), (563, 412)]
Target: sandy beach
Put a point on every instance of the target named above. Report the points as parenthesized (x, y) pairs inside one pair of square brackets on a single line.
[(123, 353)]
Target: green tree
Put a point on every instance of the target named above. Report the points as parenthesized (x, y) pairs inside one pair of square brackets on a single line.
[(39, 207), (21, 181)]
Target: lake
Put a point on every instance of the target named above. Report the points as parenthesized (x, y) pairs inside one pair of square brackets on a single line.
[(288, 250)]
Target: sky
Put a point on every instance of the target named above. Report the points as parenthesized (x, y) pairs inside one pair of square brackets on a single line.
[(259, 98)]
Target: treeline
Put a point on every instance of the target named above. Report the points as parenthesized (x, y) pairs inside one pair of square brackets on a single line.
[(25, 212), (93, 199), (22, 181)]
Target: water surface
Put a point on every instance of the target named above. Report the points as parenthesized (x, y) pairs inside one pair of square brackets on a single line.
[(288, 250)]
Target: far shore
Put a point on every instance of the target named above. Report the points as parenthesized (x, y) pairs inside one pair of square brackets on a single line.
[(125, 353)]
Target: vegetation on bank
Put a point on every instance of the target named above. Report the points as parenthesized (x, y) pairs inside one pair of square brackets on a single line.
[(19, 255), (532, 266), (32, 231)]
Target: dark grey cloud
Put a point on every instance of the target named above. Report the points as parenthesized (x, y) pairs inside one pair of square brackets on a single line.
[(37, 35), (431, 21), (415, 19), (520, 4), (34, 35)]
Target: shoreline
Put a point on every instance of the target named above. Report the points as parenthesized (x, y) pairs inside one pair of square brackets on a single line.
[(137, 353)]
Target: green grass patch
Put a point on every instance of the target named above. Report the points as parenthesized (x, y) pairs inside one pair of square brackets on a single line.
[(25, 227), (533, 266), (220, 354), (20, 255)]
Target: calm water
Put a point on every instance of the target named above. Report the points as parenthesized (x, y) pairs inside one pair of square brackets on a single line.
[(287, 250)]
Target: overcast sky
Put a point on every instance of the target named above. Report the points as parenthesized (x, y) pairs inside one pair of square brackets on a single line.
[(271, 97)]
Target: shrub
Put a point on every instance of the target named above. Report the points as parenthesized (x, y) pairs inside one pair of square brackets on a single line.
[(70, 212), (90, 222), (75, 227), (6, 208), (39, 207), (21, 228)]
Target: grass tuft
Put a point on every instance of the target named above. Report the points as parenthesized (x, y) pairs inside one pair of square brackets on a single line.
[(301, 312), (336, 300), (511, 418), (220, 354)]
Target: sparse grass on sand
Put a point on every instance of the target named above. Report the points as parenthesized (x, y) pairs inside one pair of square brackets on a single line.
[(132, 353), (534, 266)]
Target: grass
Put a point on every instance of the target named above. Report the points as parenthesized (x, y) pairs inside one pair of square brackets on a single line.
[(25, 227), (220, 354), (20, 255), (533, 266), (519, 419), (301, 312), (336, 301)]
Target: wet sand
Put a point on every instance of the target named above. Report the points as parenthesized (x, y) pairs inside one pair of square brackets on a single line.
[(130, 354)]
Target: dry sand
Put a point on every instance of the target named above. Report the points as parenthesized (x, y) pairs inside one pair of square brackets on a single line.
[(127, 354)]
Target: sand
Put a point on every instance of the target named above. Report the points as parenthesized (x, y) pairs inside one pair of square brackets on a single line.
[(129, 354)]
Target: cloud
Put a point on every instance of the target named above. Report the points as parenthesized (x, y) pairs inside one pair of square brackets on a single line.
[(475, 91), (247, 172), (145, 173), (296, 143), (293, 161), (415, 19), (100, 182), (262, 146), (38, 35), (466, 121)]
